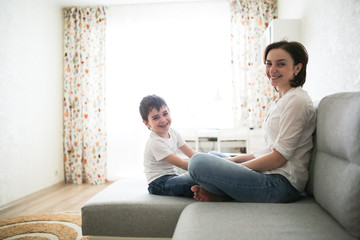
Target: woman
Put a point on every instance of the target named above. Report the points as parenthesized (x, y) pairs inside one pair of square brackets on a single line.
[(278, 172)]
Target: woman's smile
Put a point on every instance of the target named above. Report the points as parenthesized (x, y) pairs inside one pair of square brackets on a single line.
[(280, 69), (274, 78)]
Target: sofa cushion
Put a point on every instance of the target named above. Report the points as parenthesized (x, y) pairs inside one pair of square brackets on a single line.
[(257, 221), (126, 209), (337, 166)]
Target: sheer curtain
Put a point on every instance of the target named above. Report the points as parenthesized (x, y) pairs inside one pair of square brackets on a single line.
[(252, 91), (84, 96)]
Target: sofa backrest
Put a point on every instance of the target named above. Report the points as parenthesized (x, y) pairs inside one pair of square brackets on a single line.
[(309, 189), (335, 164)]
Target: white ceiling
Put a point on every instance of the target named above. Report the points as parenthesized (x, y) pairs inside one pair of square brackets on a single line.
[(68, 3)]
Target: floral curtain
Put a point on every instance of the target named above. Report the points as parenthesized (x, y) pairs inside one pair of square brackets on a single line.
[(84, 96), (252, 91)]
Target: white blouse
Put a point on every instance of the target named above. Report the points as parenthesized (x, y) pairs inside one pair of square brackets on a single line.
[(288, 128)]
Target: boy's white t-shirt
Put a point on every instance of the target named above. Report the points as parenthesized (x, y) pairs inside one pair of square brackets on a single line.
[(157, 148)]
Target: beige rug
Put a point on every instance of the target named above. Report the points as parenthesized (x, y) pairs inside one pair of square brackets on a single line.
[(42, 226)]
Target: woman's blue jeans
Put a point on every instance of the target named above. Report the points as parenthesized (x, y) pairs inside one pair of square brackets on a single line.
[(226, 178), (172, 185)]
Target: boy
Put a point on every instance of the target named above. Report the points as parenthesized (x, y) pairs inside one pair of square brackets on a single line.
[(159, 157)]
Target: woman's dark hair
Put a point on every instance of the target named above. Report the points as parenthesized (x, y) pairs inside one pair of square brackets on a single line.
[(298, 53), (148, 103)]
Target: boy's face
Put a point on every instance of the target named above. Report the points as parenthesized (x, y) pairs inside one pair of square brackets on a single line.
[(159, 121)]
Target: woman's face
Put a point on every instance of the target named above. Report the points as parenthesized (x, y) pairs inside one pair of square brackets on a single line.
[(280, 69)]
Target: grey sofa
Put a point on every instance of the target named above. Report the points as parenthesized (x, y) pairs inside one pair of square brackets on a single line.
[(329, 209)]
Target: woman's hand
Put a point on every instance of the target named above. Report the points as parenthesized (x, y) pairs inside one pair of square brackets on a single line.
[(233, 159), (241, 158), (267, 162)]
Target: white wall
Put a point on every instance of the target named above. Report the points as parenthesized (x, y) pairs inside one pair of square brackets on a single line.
[(30, 97), (330, 32)]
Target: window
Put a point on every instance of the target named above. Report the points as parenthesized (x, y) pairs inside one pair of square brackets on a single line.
[(179, 51)]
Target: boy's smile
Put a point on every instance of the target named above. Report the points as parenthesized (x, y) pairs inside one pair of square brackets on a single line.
[(159, 121)]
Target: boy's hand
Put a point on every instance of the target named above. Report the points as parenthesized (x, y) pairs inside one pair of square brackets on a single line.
[(187, 150), (177, 161)]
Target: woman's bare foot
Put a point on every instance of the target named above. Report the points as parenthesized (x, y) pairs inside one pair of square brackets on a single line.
[(202, 195)]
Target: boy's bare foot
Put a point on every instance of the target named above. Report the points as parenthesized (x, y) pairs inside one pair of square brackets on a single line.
[(202, 195)]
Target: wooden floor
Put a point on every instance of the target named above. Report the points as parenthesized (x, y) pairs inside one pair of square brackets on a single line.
[(68, 198)]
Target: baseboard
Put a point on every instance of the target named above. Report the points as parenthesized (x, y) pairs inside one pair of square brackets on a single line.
[(124, 238)]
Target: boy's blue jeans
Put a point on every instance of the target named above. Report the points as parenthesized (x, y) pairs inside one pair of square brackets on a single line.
[(172, 185), (226, 178)]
